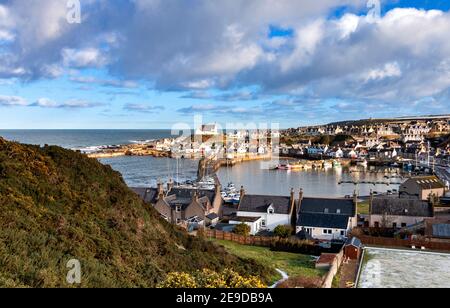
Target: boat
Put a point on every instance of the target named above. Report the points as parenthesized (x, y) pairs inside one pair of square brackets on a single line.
[(284, 167), (327, 165), (362, 162)]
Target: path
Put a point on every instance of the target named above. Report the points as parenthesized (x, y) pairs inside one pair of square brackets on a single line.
[(284, 276)]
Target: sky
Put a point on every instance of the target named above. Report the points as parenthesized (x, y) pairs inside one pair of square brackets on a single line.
[(149, 64)]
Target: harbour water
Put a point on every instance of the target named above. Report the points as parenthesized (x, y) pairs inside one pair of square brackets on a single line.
[(257, 179), (147, 171)]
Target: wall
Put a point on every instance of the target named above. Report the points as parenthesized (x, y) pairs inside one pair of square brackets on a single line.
[(392, 242), (329, 277), (272, 220), (390, 220)]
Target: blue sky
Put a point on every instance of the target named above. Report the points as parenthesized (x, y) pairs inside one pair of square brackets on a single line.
[(152, 63)]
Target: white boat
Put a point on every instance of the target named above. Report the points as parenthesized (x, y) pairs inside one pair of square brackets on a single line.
[(362, 162)]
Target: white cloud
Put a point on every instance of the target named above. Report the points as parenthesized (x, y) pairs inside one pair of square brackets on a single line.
[(88, 57), (389, 70), (9, 101)]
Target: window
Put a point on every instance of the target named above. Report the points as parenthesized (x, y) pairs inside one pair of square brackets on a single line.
[(263, 223), (327, 211), (403, 225), (271, 211), (178, 209), (338, 211), (327, 231), (178, 221), (342, 233), (394, 225)]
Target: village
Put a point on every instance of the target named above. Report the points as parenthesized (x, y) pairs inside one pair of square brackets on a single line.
[(337, 231)]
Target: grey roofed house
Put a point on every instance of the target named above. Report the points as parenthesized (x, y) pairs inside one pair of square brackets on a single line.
[(320, 220), (149, 195), (331, 206), (260, 204), (401, 207)]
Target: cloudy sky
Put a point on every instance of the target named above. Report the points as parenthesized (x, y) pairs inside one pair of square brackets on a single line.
[(152, 63)]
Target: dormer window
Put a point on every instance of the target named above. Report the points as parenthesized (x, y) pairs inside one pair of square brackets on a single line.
[(271, 211), (338, 211), (327, 211)]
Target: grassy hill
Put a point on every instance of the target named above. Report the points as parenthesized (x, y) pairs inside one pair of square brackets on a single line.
[(57, 205)]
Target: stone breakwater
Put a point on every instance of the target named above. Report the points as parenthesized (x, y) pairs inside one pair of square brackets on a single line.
[(131, 150)]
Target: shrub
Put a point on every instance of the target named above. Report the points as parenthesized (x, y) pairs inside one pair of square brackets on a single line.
[(283, 231), (242, 229), (210, 279)]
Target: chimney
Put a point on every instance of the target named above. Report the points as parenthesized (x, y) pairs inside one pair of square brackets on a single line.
[(160, 190), (300, 200), (170, 185), (355, 202), (242, 192), (195, 197)]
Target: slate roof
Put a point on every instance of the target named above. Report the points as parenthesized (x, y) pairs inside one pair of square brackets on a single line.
[(260, 204), (334, 206), (245, 219), (401, 207), (320, 220), (427, 182), (149, 195), (184, 193), (212, 216)]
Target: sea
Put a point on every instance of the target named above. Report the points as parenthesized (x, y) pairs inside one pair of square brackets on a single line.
[(254, 176)]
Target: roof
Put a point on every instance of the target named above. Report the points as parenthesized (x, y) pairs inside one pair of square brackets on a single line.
[(260, 204), (212, 216), (149, 195), (224, 227), (321, 220), (188, 194), (441, 230), (427, 182), (356, 242), (401, 207), (244, 219), (332, 206)]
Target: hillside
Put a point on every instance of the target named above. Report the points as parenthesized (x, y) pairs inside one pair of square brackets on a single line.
[(57, 205)]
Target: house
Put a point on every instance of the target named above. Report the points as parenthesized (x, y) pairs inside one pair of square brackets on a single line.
[(208, 130), (353, 249), (183, 205), (326, 219), (264, 213), (386, 212), (423, 187)]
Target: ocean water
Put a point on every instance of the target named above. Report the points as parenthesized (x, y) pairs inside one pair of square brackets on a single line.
[(84, 140)]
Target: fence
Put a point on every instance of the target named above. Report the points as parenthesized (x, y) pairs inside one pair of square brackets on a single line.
[(335, 267), (392, 242), (240, 239)]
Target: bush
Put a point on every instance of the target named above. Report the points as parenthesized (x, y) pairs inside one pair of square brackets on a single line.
[(210, 279), (242, 229), (283, 231)]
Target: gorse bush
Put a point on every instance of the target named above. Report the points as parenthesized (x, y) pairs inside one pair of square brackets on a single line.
[(211, 279), (57, 205)]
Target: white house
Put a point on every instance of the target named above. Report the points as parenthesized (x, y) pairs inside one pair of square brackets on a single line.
[(326, 219), (272, 211), (208, 130)]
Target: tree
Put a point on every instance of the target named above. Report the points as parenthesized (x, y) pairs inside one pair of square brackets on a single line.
[(242, 229), (283, 231)]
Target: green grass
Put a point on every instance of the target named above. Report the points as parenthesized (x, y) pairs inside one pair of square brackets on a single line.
[(292, 263), (363, 208)]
